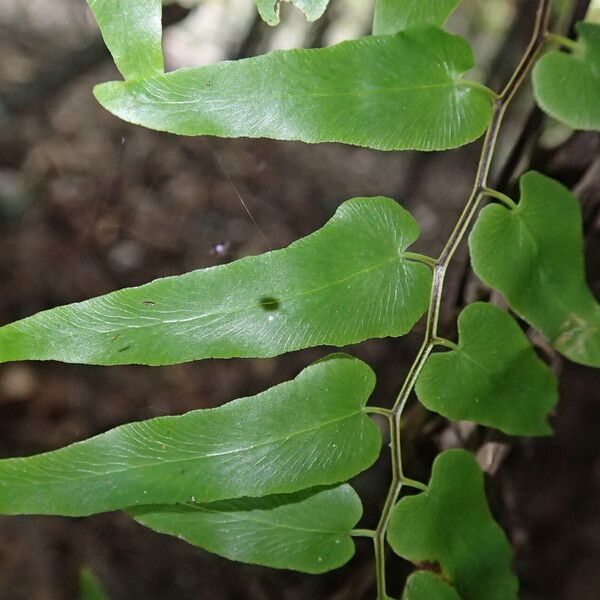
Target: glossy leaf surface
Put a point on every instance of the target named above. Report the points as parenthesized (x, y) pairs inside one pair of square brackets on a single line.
[(534, 256), (308, 531), (343, 284), (424, 585), (269, 9), (567, 86), (306, 432), (411, 82), (392, 16), (495, 378), (132, 30), (451, 526)]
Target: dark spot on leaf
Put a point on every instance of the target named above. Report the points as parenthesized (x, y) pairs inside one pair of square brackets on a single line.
[(149, 302), (124, 348), (269, 303)]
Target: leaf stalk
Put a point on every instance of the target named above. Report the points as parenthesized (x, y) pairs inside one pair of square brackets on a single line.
[(420, 258), (561, 40), (370, 533), (439, 341), (378, 410), (506, 200)]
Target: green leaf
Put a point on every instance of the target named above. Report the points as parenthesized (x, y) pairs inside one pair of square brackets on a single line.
[(132, 30), (388, 93), (343, 284), (269, 9), (494, 378), (304, 433), (308, 531), (533, 254), (450, 525), (392, 16), (89, 586), (424, 585), (567, 86)]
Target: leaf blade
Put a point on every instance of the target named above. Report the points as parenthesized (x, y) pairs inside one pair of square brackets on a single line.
[(306, 432), (567, 86), (494, 378), (540, 269), (450, 524), (411, 81), (343, 284), (308, 531), (392, 16), (132, 31)]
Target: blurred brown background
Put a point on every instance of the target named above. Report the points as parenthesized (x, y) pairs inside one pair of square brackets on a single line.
[(89, 204)]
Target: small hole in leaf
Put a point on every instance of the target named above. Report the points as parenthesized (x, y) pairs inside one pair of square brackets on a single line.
[(149, 302), (269, 303)]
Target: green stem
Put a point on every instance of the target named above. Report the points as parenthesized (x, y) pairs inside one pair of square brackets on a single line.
[(378, 410), (386, 511), (421, 258), (563, 41), (370, 533), (438, 341), (479, 86), (506, 200), (413, 483), (501, 103)]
